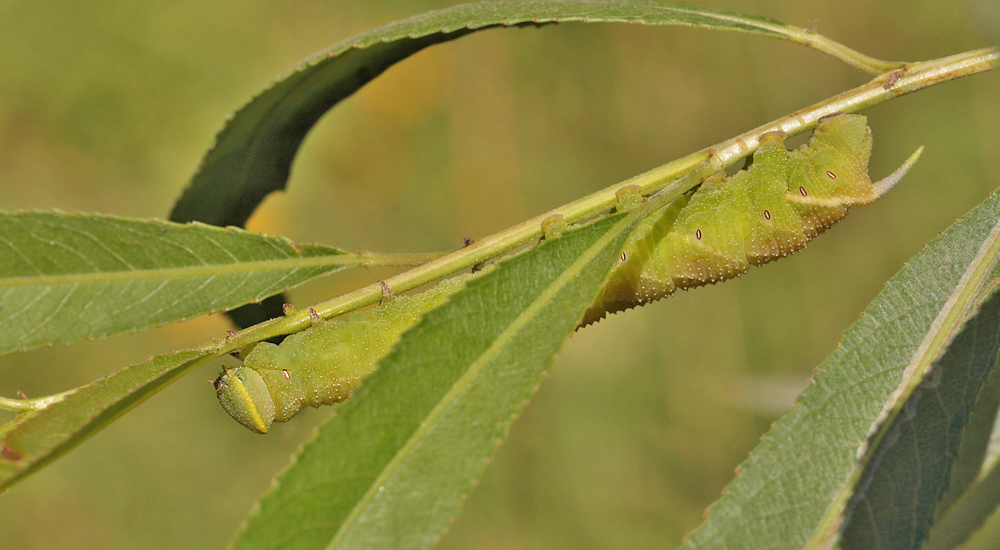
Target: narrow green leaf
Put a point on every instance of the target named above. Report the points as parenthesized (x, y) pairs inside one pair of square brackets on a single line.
[(987, 535), (793, 489), (993, 448), (392, 468), (973, 455), (910, 469), (33, 439), (253, 153), (975, 499), (65, 277), (969, 513)]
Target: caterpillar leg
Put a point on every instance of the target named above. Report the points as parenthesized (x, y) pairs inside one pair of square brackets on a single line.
[(629, 198), (554, 226)]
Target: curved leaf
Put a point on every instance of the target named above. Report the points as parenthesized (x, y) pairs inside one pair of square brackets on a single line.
[(969, 513), (65, 277), (253, 153)]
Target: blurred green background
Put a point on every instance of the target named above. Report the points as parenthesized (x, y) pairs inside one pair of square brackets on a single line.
[(107, 106)]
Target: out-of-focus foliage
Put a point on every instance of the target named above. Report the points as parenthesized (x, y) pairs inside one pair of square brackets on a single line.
[(108, 106)]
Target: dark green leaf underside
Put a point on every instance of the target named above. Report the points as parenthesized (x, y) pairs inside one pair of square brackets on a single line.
[(253, 154), (899, 492)]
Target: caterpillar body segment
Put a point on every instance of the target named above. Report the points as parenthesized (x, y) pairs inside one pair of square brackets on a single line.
[(716, 232), (765, 212), (324, 364)]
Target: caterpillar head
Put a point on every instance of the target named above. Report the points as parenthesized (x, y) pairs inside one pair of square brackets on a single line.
[(245, 396)]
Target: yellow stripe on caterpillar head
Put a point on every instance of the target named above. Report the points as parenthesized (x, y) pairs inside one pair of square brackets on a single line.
[(322, 365)]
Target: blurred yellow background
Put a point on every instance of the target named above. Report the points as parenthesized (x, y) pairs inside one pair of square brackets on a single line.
[(107, 106)]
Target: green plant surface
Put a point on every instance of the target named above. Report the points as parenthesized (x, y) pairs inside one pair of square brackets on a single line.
[(978, 446), (640, 428), (253, 154), (974, 488), (65, 277), (36, 437), (798, 503), (966, 520), (411, 444), (694, 168), (911, 457)]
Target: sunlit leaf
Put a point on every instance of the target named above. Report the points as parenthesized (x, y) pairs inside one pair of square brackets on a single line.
[(65, 277), (393, 467), (253, 153)]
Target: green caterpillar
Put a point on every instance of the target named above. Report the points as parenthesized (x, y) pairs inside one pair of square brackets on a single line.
[(773, 208), (321, 365), (756, 216)]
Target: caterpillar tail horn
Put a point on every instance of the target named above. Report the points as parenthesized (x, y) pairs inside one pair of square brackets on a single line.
[(883, 185)]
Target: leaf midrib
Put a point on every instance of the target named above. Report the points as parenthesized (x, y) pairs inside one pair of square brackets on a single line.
[(175, 272), (473, 371)]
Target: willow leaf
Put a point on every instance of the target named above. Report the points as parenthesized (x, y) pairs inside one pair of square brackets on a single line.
[(414, 439), (35, 438), (775, 502), (65, 277), (253, 153), (910, 468), (969, 513), (974, 454)]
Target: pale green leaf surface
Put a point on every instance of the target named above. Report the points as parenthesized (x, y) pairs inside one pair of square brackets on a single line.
[(775, 502), (253, 153), (900, 490), (394, 465), (65, 277), (35, 438)]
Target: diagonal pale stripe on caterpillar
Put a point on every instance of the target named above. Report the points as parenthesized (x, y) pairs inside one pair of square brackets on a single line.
[(773, 208), (760, 214)]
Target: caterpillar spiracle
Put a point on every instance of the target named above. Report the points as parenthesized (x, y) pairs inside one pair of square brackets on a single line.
[(324, 364), (760, 214)]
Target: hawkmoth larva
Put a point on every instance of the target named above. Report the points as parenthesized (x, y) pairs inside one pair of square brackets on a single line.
[(324, 364), (773, 208)]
